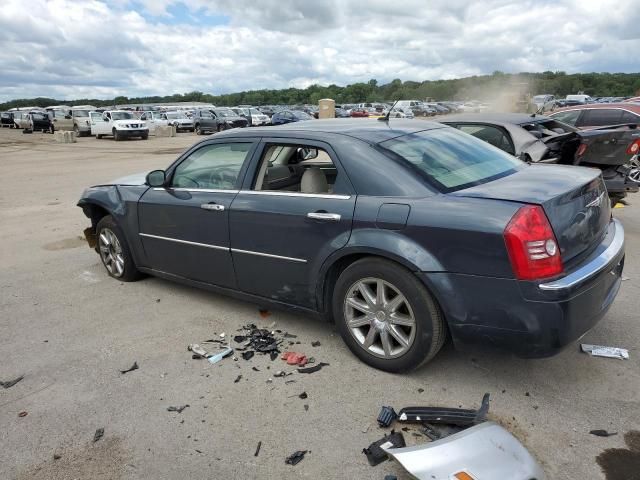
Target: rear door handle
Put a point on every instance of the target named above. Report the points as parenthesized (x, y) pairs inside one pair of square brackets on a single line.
[(329, 217), (212, 206)]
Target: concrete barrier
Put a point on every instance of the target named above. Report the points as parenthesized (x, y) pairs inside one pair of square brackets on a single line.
[(64, 136), (165, 131)]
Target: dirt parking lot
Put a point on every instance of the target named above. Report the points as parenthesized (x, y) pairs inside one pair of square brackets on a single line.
[(69, 328)]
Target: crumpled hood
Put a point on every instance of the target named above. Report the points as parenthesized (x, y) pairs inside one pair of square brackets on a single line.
[(134, 179)]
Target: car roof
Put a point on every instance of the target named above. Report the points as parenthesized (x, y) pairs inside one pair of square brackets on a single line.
[(368, 130), (495, 118), (634, 107)]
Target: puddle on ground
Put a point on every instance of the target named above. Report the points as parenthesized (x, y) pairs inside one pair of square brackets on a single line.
[(103, 460), (65, 243), (622, 463)]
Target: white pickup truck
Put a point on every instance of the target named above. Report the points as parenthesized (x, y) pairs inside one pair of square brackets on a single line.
[(118, 123)]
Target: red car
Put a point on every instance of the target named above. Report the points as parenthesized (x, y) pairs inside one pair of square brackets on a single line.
[(359, 112), (598, 114)]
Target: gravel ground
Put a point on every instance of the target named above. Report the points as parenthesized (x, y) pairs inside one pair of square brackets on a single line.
[(69, 328)]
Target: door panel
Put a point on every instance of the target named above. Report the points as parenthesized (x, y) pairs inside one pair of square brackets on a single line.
[(98, 125)]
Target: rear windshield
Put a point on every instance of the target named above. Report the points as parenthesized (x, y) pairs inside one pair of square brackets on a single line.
[(451, 160)]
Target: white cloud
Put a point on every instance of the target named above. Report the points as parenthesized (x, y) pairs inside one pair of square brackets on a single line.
[(104, 48)]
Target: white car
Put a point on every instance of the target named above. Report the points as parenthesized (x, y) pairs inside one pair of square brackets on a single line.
[(154, 119), (180, 120), (253, 115), (118, 123)]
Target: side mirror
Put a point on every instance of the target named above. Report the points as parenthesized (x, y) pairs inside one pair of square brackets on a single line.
[(306, 153), (156, 178)]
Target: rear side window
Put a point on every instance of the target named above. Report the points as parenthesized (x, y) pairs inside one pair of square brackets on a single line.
[(451, 160), (570, 117), (628, 117), (490, 134), (599, 117)]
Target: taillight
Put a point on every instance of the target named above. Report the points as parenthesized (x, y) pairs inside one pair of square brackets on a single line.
[(634, 148), (531, 244), (581, 149)]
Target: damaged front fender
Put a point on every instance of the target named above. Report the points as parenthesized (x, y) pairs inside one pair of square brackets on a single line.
[(483, 452)]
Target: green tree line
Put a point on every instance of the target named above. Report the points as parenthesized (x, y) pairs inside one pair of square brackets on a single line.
[(476, 87)]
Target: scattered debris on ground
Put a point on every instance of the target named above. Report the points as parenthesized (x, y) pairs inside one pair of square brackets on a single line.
[(248, 355), (98, 435), (387, 416), (177, 409), (11, 383), (238, 378), (295, 358), (131, 368), (622, 463), (376, 452), (303, 396), (258, 449), (317, 367), (295, 458), (602, 433), (264, 313), (602, 351), (315, 344), (23, 414)]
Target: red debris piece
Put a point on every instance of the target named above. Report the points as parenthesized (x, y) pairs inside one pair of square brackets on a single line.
[(295, 358)]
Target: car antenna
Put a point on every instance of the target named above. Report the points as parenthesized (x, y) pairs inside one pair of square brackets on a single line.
[(386, 117)]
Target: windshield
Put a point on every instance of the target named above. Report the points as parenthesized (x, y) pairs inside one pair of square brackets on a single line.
[(80, 113), (452, 160), (226, 113), (121, 116), (301, 115), (255, 111), (176, 115)]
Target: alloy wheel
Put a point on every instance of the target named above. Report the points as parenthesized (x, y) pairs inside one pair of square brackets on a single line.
[(111, 252), (380, 318)]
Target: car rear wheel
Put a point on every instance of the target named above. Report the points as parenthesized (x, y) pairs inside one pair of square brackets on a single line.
[(114, 251), (386, 316)]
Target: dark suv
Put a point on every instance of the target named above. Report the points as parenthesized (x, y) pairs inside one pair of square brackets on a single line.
[(204, 122)]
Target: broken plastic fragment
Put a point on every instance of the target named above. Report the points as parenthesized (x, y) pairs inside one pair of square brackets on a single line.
[(131, 368), (303, 396), (238, 378), (258, 449), (11, 383), (386, 416), (197, 350), (248, 354), (602, 351), (295, 458), (219, 356), (295, 358), (313, 369), (177, 409), (376, 452), (98, 435), (602, 433)]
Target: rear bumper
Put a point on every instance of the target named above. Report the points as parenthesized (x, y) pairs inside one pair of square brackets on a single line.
[(532, 319)]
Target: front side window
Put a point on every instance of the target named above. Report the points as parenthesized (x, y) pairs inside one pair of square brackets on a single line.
[(450, 160), (599, 117), (212, 167), (628, 117), (570, 117)]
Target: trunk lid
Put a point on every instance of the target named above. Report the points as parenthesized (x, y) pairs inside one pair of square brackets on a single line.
[(573, 198), (607, 146)]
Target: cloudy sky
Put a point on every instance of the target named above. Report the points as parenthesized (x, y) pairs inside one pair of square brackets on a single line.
[(102, 48)]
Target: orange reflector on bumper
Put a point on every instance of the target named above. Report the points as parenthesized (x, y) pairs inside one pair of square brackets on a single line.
[(463, 476)]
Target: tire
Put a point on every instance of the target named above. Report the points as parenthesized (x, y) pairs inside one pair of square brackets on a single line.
[(218, 128), (76, 130), (422, 329), (98, 137), (145, 136), (51, 129), (197, 130), (116, 135), (114, 251)]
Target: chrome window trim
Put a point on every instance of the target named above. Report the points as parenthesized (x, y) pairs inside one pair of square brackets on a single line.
[(269, 255), (176, 240), (594, 267), (295, 194), (201, 190)]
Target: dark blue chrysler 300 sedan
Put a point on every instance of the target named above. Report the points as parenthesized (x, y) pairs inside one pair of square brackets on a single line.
[(400, 232)]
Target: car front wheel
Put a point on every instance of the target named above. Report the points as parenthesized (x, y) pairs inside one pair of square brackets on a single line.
[(386, 316), (114, 251)]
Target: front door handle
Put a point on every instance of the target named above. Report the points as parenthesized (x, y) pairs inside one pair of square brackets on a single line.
[(212, 206), (329, 217)]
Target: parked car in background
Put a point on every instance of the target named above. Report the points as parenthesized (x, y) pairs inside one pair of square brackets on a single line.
[(6, 120), (118, 123), (541, 139), (581, 98), (227, 118), (359, 112), (180, 120), (254, 116), (453, 233), (289, 116), (21, 118), (81, 119), (61, 117), (268, 110), (598, 114), (342, 113), (153, 119), (40, 121), (540, 101), (204, 122)]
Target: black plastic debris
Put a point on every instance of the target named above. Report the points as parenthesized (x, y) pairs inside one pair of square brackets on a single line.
[(315, 344), (258, 449), (261, 339), (295, 458), (240, 338), (98, 435), (289, 335), (11, 383), (255, 369), (376, 451), (306, 407), (442, 415), (313, 369), (386, 416), (602, 433), (303, 396), (131, 368), (273, 355), (390, 477), (248, 354), (238, 378), (177, 409)]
